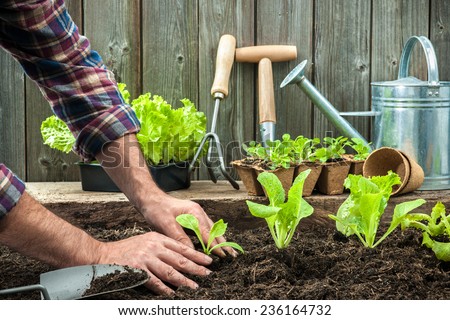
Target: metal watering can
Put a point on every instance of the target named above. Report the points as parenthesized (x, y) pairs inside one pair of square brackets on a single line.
[(409, 114)]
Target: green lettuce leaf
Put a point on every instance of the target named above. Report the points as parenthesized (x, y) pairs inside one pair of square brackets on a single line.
[(361, 212), (168, 134), (56, 134), (282, 217)]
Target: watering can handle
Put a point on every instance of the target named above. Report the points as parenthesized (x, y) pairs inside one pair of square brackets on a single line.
[(433, 73)]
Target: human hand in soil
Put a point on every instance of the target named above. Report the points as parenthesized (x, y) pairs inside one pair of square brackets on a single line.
[(164, 259), (34, 231), (122, 159), (162, 218)]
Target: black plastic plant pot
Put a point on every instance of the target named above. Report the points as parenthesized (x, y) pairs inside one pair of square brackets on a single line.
[(171, 177), (95, 178)]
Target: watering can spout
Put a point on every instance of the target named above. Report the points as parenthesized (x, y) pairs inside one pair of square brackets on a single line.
[(297, 76)]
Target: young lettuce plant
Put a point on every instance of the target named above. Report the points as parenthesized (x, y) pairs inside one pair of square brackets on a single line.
[(279, 152), (303, 149), (361, 212), (218, 229), (436, 225), (333, 149), (361, 148), (282, 217)]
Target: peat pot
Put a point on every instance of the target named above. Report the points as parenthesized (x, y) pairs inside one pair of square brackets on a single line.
[(170, 177), (414, 116)]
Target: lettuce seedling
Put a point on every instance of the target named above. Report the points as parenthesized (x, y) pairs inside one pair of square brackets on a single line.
[(361, 212), (436, 225), (282, 217), (218, 229)]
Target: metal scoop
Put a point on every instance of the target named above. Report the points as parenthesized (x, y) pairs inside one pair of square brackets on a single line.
[(77, 282)]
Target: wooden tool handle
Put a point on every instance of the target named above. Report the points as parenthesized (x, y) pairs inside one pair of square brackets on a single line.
[(276, 53), (266, 93), (224, 63)]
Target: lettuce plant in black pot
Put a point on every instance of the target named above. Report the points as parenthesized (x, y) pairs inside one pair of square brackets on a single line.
[(168, 139)]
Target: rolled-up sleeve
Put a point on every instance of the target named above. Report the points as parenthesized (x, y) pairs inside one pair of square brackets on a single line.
[(11, 189), (81, 91)]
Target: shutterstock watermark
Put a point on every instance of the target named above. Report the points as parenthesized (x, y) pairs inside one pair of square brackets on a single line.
[(114, 154)]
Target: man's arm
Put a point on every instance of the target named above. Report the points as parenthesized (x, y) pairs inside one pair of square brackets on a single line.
[(34, 231)]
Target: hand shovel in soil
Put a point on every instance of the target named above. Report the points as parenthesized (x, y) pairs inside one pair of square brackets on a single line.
[(84, 281)]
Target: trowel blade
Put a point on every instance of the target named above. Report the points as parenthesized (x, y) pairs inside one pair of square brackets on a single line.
[(78, 282)]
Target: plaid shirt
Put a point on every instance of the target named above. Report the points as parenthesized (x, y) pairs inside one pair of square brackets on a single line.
[(43, 38)]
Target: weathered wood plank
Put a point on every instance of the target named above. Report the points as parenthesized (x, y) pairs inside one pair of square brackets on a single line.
[(116, 37), (440, 35), (236, 119), (170, 49), (43, 163), (288, 22), (12, 115), (342, 60), (393, 23)]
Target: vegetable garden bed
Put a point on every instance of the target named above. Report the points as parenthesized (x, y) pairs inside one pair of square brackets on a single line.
[(319, 263)]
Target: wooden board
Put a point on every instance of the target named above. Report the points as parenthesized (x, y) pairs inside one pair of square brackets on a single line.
[(12, 115), (342, 60)]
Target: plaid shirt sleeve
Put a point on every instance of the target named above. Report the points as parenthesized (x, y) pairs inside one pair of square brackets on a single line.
[(11, 188), (41, 35)]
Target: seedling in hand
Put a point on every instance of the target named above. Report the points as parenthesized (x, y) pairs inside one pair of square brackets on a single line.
[(218, 229)]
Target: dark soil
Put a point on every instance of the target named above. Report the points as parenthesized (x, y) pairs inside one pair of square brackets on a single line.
[(319, 264), (118, 280)]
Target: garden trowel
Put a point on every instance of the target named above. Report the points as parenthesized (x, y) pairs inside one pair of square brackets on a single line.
[(84, 281)]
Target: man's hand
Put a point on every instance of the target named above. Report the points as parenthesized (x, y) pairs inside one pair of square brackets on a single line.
[(122, 159), (161, 214), (164, 259)]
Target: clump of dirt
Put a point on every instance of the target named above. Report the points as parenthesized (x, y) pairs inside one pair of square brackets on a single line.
[(116, 281), (319, 264)]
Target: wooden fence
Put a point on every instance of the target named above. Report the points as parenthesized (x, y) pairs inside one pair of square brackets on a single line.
[(168, 47)]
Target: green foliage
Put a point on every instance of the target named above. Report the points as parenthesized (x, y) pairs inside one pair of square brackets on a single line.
[(167, 134), (255, 150), (124, 92), (56, 134), (361, 148), (333, 149), (435, 225), (279, 152), (282, 217), (361, 212), (218, 229), (303, 149)]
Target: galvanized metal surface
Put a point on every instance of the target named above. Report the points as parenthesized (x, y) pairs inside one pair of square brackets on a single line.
[(413, 116)]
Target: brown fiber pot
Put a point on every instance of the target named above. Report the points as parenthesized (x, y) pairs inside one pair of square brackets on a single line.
[(356, 166), (311, 179), (248, 176), (285, 175), (331, 179), (384, 159)]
